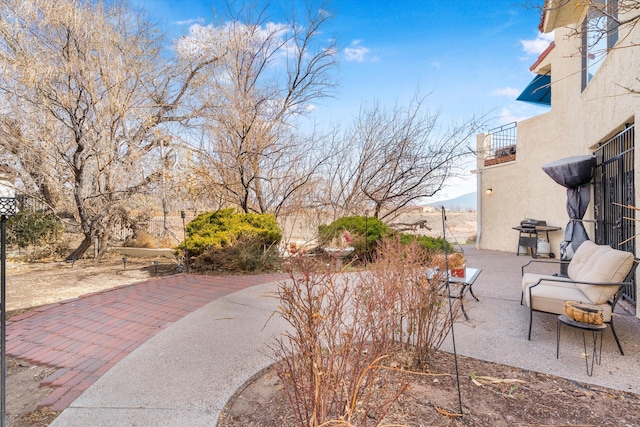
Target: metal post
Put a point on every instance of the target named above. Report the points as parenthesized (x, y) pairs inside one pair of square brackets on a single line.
[(8, 207), (366, 236), (3, 291), (451, 319), (184, 231)]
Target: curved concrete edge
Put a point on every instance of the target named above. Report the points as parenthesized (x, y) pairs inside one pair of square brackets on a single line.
[(185, 374)]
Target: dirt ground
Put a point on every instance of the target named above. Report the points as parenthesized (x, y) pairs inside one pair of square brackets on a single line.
[(40, 283), (492, 395)]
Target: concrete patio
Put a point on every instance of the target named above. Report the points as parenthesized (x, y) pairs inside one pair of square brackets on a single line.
[(498, 325), (184, 375)]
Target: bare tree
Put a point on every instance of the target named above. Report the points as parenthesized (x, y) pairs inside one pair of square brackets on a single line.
[(88, 100), (252, 154), (391, 158)]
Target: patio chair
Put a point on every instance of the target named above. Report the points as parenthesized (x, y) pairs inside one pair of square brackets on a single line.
[(597, 274)]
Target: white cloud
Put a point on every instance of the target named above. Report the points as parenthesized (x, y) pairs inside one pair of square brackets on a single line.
[(506, 91), (537, 45), (190, 21), (507, 116), (201, 41), (356, 52), (210, 40)]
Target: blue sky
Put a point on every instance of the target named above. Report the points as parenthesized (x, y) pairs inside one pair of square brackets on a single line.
[(471, 57)]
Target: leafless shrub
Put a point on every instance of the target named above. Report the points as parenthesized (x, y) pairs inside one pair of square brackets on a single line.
[(331, 362), (343, 327), (407, 284)]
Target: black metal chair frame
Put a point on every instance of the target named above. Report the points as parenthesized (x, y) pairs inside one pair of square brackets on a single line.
[(628, 281)]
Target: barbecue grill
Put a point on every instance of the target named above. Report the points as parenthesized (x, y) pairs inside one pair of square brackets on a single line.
[(530, 230)]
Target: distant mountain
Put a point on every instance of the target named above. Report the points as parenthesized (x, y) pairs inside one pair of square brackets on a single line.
[(462, 203)]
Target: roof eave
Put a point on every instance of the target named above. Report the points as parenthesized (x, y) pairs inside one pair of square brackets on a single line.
[(542, 66), (561, 13)]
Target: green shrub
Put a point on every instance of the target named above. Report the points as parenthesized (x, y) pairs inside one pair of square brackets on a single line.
[(376, 231), (225, 227), (430, 244), (366, 232), (34, 228)]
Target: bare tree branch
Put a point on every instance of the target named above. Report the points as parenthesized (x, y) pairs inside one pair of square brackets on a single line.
[(252, 155), (85, 92), (390, 159)]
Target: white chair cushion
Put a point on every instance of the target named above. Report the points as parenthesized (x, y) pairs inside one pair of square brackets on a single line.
[(550, 298), (531, 278), (590, 263), (582, 258), (606, 265)]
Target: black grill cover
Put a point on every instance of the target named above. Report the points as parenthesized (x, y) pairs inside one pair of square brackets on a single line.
[(575, 174)]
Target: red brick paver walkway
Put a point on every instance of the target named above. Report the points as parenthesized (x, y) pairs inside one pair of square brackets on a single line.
[(87, 336)]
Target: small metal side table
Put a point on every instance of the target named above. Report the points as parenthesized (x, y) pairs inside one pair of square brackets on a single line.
[(596, 332), (466, 284)]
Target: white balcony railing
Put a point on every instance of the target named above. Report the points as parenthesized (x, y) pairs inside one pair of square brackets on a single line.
[(500, 144)]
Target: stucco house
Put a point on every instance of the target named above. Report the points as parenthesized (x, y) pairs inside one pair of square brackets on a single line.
[(590, 76)]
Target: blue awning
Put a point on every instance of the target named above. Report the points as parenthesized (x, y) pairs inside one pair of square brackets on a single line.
[(538, 91)]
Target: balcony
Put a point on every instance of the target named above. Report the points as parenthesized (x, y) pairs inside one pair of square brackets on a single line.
[(500, 144)]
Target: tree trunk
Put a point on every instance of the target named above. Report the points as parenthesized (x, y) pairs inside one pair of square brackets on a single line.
[(103, 245), (80, 250)]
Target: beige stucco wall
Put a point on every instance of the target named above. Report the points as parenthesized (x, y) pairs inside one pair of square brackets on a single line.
[(521, 189), (576, 123)]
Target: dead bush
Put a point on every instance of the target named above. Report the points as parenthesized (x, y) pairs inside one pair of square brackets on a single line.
[(143, 239), (406, 286), (344, 326), (245, 254), (331, 362)]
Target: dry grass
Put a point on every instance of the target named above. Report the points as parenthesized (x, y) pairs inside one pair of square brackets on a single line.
[(40, 418)]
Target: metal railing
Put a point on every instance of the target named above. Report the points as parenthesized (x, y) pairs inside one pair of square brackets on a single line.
[(31, 204), (500, 144), (156, 227), (614, 196)]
